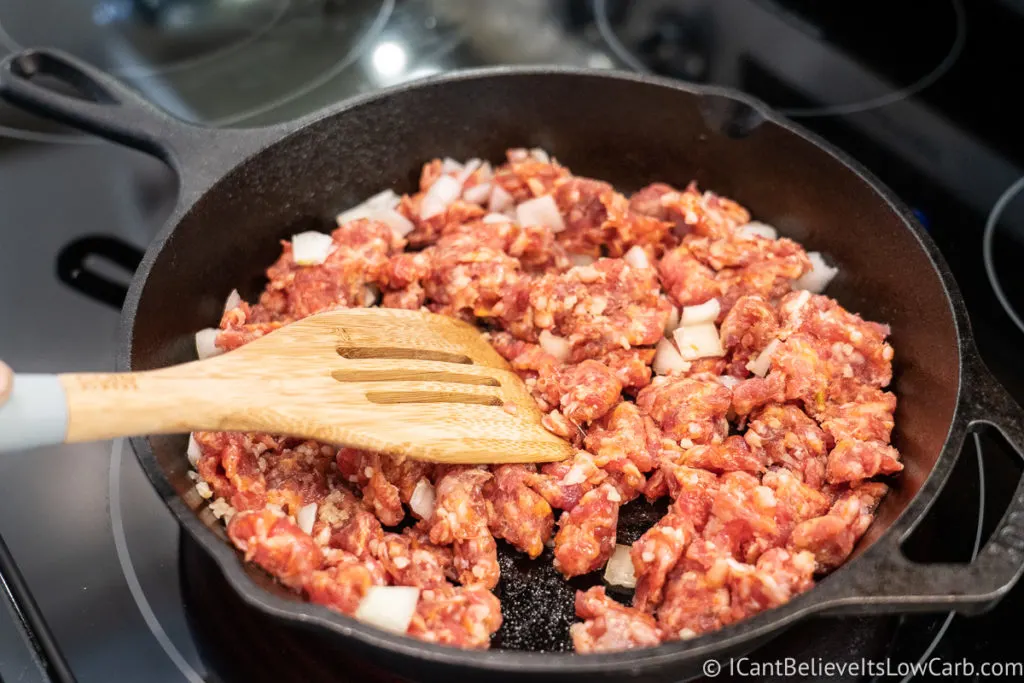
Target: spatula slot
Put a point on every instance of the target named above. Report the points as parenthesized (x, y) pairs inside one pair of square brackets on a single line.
[(399, 353), (392, 397), (400, 375)]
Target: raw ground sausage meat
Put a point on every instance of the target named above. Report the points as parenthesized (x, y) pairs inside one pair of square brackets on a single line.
[(771, 476)]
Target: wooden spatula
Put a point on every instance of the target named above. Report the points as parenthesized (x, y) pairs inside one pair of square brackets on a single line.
[(401, 382)]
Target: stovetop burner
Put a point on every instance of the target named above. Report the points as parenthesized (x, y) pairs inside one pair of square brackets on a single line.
[(217, 63), (128, 598)]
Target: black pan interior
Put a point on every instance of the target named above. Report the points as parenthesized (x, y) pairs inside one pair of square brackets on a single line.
[(627, 132)]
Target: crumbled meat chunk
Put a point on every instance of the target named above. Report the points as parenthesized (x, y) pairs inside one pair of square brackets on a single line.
[(686, 408), (275, 543), (341, 586), (790, 439), (831, 537), (586, 534), (461, 511), (853, 461), (655, 554), (609, 626), (463, 616), (516, 512)]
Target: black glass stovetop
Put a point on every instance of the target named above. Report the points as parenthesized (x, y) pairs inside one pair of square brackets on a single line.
[(918, 92)]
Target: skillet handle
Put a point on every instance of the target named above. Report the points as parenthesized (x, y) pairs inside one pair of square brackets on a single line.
[(114, 111), (889, 582)]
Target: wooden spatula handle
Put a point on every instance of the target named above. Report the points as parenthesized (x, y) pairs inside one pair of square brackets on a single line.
[(70, 408), (108, 405)]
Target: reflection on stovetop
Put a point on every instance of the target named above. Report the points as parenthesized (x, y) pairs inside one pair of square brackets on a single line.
[(912, 98)]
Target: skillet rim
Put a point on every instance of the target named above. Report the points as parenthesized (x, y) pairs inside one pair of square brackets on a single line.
[(759, 626)]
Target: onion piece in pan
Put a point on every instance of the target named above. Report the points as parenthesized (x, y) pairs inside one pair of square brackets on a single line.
[(667, 359), (619, 570), (758, 229), (500, 200), (478, 194), (760, 365), (443, 192), (399, 224), (389, 607), (311, 248), (382, 200), (540, 155), (205, 343), (306, 517), (706, 312), (673, 320), (234, 298), (637, 257), (699, 341), (193, 452), (541, 211), (559, 347), (818, 277), (449, 165), (423, 499), (469, 169)]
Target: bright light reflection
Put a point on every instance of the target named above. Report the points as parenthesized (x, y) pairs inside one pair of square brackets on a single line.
[(389, 59)]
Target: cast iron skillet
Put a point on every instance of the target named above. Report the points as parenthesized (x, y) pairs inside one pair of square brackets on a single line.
[(243, 190)]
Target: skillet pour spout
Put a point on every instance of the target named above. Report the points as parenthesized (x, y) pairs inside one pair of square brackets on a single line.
[(243, 190)]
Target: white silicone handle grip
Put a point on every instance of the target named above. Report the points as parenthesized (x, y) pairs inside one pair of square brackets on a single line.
[(36, 414)]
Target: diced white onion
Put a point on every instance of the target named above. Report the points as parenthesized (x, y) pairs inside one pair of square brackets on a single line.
[(469, 169), (518, 154), (496, 218), (378, 202), (541, 211), (311, 248), (559, 347), (577, 474), (728, 381), (193, 452), (234, 298), (443, 192), (205, 346), (540, 155), (389, 607), (637, 257), (478, 194), (371, 294), (387, 199), (698, 341), (306, 517), (423, 499), (667, 359), (817, 278), (673, 320), (706, 312), (619, 570), (581, 259), (760, 365), (500, 200), (204, 490), (399, 224), (757, 229), (449, 165)]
